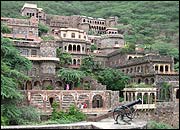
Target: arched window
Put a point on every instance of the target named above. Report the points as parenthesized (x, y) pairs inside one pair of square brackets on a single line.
[(156, 67), (146, 81), (166, 68), (73, 35), (78, 47), (130, 57), (138, 69), (152, 80), (70, 47), (139, 81), (78, 62), (161, 68), (84, 20), (74, 47), (74, 61), (127, 70)]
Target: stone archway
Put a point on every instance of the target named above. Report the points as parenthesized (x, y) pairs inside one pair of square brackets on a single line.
[(97, 101), (59, 85), (70, 47), (177, 94), (146, 81), (28, 85), (37, 85), (46, 83), (78, 47)]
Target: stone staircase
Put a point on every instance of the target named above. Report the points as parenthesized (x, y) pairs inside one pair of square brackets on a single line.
[(37, 101), (67, 101)]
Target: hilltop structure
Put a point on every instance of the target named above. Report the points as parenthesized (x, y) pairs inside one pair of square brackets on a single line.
[(75, 35)]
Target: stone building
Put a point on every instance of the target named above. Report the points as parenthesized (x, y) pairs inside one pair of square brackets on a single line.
[(30, 10), (72, 35)]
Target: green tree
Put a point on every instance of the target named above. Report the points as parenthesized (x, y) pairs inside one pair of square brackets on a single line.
[(71, 76), (11, 77), (112, 78), (93, 47), (89, 66), (42, 29), (65, 58), (5, 28)]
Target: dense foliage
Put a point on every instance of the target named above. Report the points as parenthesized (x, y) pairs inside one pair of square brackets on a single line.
[(73, 115), (42, 29), (112, 78), (71, 76), (12, 66), (5, 29), (65, 58), (158, 125), (145, 21)]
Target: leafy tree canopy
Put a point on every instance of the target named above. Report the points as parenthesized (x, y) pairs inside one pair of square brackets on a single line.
[(112, 78), (70, 76), (11, 78), (64, 57)]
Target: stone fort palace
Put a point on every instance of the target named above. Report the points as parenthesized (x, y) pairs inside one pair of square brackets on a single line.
[(75, 34)]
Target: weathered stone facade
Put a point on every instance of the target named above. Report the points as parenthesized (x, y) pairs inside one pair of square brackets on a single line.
[(71, 34), (97, 99)]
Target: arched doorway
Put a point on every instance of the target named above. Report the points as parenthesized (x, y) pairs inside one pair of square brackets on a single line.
[(177, 94), (37, 84), (139, 81), (146, 81), (59, 85), (47, 83), (28, 85), (51, 100), (97, 101)]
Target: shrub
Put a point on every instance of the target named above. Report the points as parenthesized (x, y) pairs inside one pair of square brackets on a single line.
[(4, 120), (156, 125), (49, 87), (28, 115), (73, 115)]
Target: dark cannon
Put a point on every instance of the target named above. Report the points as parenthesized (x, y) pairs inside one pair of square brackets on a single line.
[(125, 110)]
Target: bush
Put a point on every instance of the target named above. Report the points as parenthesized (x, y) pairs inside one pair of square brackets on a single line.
[(42, 29), (28, 115), (121, 99), (4, 120), (49, 87), (47, 38), (156, 125), (73, 115)]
